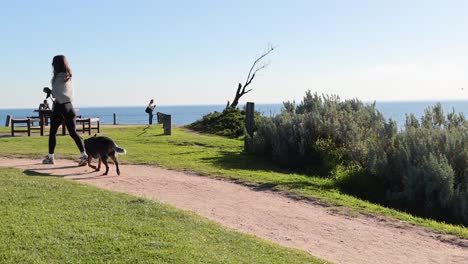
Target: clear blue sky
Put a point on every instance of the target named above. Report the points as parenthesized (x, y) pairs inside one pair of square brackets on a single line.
[(195, 52)]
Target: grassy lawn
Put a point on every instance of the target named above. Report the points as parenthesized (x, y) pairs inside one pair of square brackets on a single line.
[(217, 157), (51, 220)]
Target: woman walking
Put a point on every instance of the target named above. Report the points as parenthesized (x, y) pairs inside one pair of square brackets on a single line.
[(62, 110)]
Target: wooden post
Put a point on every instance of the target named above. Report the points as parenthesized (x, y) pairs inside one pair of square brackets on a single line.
[(89, 126), (166, 122), (8, 120), (29, 127), (249, 127), (41, 125), (115, 119), (167, 125)]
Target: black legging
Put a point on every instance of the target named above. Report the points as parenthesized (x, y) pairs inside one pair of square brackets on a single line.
[(64, 112)]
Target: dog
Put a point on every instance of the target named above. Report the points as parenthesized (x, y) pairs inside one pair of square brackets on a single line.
[(102, 148)]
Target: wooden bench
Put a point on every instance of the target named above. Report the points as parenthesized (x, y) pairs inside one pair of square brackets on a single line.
[(166, 121), (87, 124), (34, 119), (28, 125)]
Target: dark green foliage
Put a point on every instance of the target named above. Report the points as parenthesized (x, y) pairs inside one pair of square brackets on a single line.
[(320, 128), (355, 181), (425, 169), (229, 123), (422, 168), (428, 187)]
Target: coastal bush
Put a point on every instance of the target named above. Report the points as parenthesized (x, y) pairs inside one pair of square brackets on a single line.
[(320, 129), (422, 168), (426, 168), (228, 123)]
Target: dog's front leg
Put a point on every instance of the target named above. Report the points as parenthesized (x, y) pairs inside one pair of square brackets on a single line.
[(99, 164), (89, 162)]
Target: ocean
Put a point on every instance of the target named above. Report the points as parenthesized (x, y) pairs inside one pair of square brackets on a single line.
[(182, 115)]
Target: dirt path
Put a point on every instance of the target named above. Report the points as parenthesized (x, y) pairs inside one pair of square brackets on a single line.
[(313, 228)]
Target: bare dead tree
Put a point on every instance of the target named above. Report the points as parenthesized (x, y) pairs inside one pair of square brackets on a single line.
[(256, 67)]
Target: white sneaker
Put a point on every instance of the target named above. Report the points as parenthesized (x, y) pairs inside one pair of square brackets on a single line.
[(48, 160), (83, 160)]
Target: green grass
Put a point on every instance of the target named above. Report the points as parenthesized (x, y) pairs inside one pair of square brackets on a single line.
[(217, 157), (51, 220)]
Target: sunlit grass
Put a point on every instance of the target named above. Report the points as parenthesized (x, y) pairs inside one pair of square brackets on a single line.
[(216, 157), (51, 220)]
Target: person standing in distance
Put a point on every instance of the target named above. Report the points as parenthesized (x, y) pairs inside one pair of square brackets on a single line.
[(149, 109), (44, 105), (62, 110)]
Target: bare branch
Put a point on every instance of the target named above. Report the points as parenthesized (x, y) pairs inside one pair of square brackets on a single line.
[(261, 67), (253, 76), (257, 60), (252, 72), (248, 91)]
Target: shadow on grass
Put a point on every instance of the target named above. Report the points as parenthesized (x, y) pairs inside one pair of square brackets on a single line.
[(145, 130), (315, 178), (297, 181), (147, 139), (235, 160), (188, 152), (243, 161), (294, 184), (36, 173), (147, 136)]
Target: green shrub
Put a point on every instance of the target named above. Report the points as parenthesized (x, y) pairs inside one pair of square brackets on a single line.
[(228, 123), (320, 128), (422, 168), (426, 168)]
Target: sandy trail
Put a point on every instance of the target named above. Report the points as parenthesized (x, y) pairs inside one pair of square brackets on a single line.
[(303, 225)]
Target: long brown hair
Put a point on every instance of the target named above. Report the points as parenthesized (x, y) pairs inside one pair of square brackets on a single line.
[(60, 64)]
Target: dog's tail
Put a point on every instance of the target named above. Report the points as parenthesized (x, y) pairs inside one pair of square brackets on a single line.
[(119, 149)]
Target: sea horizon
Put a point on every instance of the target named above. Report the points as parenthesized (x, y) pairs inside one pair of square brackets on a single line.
[(186, 114), (242, 104)]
